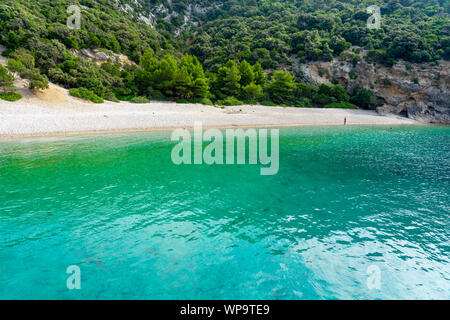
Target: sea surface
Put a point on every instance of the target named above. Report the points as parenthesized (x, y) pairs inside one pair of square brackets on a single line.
[(353, 213)]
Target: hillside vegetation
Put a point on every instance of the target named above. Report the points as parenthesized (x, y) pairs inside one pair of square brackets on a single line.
[(226, 52)]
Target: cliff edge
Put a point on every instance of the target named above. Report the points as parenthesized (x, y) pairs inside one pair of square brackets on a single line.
[(417, 91)]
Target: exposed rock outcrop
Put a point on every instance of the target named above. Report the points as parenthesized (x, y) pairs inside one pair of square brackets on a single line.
[(100, 57), (419, 91), (428, 112)]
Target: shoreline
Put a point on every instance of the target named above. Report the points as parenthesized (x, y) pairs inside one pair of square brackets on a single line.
[(34, 117), (87, 133)]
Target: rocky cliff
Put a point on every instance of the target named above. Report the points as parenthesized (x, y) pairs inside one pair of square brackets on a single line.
[(418, 91)]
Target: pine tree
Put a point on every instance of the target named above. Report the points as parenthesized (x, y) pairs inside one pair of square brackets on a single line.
[(165, 74), (247, 75), (259, 76), (145, 75), (199, 84), (281, 86), (183, 83), (252, 92), (6, 78), (149, 62), (201, 88), (229, 79)]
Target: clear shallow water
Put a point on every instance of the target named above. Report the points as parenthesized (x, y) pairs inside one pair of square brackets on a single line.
[(140, 227)]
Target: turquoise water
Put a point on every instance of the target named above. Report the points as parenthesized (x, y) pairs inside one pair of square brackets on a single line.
[(139, 227)]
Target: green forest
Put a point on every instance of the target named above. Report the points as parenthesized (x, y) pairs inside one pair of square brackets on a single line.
[(224, 52)]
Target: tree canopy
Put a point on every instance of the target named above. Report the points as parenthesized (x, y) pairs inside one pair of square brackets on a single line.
[(200, 50)]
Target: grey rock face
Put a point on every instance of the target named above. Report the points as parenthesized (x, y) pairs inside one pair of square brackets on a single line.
[(408, 86), (389, 109), (86, 53), (95, 54), (101, 56), (422, 91), (428, 113), (394, 100), (438, 96)]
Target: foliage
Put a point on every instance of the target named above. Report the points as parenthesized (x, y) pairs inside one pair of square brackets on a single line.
[(38, 81), (220, 51), (84, 93), (352, 75), (386, 81), (229, 79), (10, 96), (280, 86), (229, 101), (205, 101), (6, 78), (252, 92), (363, 98), (272, 32), (303, 102), (110, 96), (139, 100), (183, 79), (341, 105)]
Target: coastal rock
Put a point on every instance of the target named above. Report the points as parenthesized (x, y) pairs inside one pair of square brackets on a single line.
[(428, 113), (392, 99), (419, 91), (390, 109), (439, 96), (406, 85)]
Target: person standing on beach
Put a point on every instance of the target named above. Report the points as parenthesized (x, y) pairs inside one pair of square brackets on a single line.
[(345, 121)]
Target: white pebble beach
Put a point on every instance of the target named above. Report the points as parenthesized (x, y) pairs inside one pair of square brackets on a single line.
[(54, 112)]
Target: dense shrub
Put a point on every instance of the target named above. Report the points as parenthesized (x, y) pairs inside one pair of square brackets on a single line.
[(15, 65), (352, 75), (386, 82), (230, 101), (10, 96), (84, 93), (6, 78), (110, 96), (38, 81), (323, 99), (158, 96), (341, 105), (363, 98), (139, 100), (303, 102), (268, 103), (204, 101)]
